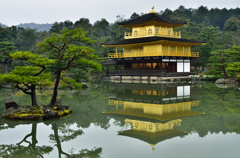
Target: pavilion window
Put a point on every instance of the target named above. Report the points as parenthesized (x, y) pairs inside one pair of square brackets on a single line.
[(136, 125), (140, 65), (155, 66), (154, 92), (165, 93), (169, 32), (164, 65), (135, 33), (148, 92), (135, 92), (134, 65), (149, 31), (179, 65), (157, 31), (186, 65), (169, 125), (128, 65), (150, 127), (148, 65)]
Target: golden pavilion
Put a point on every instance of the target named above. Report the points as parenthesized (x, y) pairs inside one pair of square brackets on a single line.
[(152, 48)]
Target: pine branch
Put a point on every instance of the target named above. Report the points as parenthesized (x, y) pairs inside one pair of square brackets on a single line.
[(43, 68), (24, 90)]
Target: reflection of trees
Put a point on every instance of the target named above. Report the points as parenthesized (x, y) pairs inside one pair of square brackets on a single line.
[(221, 107), (94, 153), (32, 150), (89, 106), (62, 133), (70, 134)]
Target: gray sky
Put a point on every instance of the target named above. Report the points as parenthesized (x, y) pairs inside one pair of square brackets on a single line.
[(14, 12)]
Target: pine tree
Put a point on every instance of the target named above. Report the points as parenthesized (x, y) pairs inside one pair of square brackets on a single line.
[(67, 54), (234, 67), (26, 78)]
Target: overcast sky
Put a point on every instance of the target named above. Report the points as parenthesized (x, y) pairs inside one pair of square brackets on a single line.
[(14, 12)]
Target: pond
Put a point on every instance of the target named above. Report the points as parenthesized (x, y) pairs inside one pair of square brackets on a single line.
[(116, 120)]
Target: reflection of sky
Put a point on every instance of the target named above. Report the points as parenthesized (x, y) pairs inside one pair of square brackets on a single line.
[(114, 146)]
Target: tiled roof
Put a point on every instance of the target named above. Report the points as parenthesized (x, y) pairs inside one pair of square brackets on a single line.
[(150, 17)]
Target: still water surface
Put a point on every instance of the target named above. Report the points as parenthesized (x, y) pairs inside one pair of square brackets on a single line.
[(129, 120)]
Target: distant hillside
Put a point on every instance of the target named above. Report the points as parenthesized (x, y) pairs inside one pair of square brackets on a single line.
[(39, 27), (3, 26)]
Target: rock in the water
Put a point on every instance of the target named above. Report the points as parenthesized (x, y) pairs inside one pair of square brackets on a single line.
[(62, 107), (11, 104), (47, 110), (95, 85), (230, 81), (85, 85), (65, 107), (220, 81), (221, 86)]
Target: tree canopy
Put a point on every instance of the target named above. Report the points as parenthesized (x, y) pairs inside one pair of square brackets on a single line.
[(70, 49), (26, 78), (234, 67)]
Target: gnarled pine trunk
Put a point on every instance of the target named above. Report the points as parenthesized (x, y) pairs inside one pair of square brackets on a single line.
[(223, 68), (55, 89), (33, 95)]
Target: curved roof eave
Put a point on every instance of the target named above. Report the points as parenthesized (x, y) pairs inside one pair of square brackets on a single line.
[(149, 17), (151, 39)]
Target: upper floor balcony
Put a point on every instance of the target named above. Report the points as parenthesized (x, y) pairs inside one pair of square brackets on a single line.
[(151, 32)]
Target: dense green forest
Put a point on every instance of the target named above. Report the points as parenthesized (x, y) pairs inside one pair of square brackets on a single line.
[(219, 28)]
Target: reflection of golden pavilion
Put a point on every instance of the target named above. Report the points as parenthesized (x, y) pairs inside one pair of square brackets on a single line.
[(152, 133), (154, 111), (150, 127)]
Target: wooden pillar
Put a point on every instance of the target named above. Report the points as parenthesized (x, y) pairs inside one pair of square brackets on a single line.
[(169, 66), (161, 67)]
